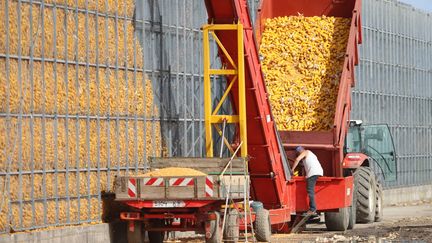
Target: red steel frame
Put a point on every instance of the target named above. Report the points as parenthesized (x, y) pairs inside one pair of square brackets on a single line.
[(268, 182), (188, 203), (192, 216)]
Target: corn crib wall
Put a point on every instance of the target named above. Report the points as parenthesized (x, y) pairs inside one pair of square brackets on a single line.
[(91, 89)]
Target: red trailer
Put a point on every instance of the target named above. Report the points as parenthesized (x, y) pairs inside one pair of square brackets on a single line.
[(177, 202), (283, 195)]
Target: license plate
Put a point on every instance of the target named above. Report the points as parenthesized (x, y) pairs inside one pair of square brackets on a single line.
[(168, 204)]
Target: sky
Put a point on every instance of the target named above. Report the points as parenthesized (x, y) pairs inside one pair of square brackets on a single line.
[(421, 4)]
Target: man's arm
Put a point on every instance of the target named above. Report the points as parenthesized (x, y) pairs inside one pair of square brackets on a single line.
[(299, 158)]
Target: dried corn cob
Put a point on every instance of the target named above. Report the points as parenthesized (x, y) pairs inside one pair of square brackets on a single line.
[(110, 143), (302, 63), (62, 87), (109, 41)]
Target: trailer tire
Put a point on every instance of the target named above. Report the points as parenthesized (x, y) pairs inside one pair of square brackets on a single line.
[(337, 221), (364, 180), (353, 210), (232, 229), (216, 236), (379, 203), (137, 235), (262, 225), (156, 236)]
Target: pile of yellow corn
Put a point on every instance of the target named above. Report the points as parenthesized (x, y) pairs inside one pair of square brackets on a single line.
[(174, 171), (302, 62)]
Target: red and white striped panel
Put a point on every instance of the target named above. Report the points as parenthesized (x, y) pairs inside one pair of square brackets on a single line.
[(155, 181), (132, 192), (209, 186), (183, 181)]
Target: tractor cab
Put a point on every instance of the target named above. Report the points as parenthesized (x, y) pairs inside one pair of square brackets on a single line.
[(376, 142)]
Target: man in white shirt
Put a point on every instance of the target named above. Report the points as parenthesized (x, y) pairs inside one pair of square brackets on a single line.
[(313, 171)]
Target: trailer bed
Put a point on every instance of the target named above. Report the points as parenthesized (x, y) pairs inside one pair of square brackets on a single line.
[(209, 184)]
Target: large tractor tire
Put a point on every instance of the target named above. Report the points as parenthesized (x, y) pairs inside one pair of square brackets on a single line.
[(137, 235), (365, 184), (262, 225), (379, 203), (215, 226), (337, 221), (232, 229)]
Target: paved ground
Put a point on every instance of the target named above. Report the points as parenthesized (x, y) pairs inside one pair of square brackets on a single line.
[(405, 223), (402, 223)]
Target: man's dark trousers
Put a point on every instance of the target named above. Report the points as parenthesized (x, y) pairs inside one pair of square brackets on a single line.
[(311, 182)]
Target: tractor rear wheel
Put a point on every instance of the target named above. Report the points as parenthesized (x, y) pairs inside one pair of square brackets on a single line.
[(365, 184), (337, 221), (262, 225), (379, 206)]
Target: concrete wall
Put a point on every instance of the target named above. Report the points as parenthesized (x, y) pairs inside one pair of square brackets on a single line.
[(95, 233), (407, 195), (79, 234)]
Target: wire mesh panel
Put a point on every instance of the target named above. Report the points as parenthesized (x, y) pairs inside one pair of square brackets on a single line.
[(394, 84), (89, 90), (172, 41)]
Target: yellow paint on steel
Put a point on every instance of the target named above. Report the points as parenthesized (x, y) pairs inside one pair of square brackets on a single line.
[(223, 49), (220, 27), (226, 142), (207, 94), (223, 71), (227, 118), (241, 90), (219, 105), (212, 118)]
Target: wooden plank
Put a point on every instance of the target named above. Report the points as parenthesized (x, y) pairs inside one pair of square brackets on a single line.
[(300, 223), (120, 188), (237, 183), (206, 165), (198, 162), (153, 192), (197, 191), (200, 187), (180, 192), (197, 159)]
